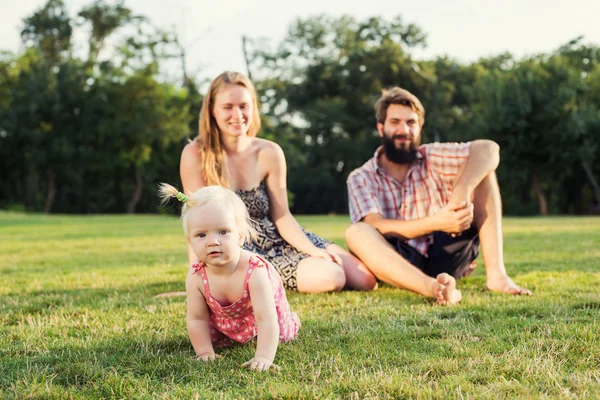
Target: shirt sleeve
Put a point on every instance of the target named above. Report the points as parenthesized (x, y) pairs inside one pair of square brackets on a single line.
[(446, 159), (362, 199)]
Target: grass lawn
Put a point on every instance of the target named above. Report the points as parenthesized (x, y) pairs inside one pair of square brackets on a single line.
[(78, 320)]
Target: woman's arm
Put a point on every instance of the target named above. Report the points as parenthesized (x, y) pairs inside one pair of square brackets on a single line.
[(288, 227), (198, 321), (191, 178), (265, 314)]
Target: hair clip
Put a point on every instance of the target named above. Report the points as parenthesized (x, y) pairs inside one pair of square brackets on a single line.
[(181, 197)]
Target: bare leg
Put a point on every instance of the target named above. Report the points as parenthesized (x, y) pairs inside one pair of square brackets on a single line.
[(488, 218), (317, 275), (387, 265), (358, 275)]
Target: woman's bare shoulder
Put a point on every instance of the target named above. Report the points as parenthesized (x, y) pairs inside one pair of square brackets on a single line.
[(191, 152), (268, 148)]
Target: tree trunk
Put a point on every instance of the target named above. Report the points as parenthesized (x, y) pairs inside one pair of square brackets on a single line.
[(539, 192), (592, 179), (246, 58), (137, 193), (119, 201), (30, 184), (51, 191)]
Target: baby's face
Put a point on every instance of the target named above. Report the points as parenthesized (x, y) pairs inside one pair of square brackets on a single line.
[(213, 235)]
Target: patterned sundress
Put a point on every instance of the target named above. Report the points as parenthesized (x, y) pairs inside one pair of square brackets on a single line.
[(269, 243)]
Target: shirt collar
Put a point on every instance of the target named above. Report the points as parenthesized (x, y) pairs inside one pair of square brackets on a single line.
[(375, 163)]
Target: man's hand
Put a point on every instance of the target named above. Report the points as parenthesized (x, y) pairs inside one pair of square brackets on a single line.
[(454, 218)]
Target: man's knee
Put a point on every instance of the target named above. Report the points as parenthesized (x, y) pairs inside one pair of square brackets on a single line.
[(358, 230)]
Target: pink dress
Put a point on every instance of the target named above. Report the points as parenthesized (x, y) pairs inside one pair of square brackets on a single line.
[(235, 322)]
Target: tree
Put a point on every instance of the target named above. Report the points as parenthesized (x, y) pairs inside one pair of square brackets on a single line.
[(85, 130), (104, 20), (318, 89), (530, 110)]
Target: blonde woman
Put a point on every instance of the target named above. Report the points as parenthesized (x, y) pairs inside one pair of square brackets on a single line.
[(227, 153)]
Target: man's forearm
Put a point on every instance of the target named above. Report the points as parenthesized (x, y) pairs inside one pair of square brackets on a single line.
[(404, 230)]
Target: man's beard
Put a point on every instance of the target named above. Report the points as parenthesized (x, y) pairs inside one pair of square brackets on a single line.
[(396, 155)]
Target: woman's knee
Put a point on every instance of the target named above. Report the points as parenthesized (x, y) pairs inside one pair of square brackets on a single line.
[(366, 282), (337, 277), (319, 275)]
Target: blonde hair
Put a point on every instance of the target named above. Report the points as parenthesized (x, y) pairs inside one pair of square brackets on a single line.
[(226, 199), (213, 167), (401, 96)]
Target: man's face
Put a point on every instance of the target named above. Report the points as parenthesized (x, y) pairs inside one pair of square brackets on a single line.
[(400, 134)]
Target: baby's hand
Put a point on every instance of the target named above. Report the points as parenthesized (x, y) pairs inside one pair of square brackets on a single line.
[(208, 357), (260, 364)]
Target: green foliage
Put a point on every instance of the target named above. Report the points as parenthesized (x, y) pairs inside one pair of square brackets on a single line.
[(318, 89), (50, 30), (536, 111), (104, 20), (94, 134), (78, 320), (319, 86), (90, 135)]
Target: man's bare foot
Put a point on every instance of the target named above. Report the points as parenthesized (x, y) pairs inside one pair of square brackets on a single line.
[(171, 294), (504, 284), (437, 290), (450, 294)]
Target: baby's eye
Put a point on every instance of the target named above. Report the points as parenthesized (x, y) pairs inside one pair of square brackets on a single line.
[(201, 235), (223, 232)]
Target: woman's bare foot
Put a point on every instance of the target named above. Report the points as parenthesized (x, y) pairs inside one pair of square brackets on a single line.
[(450, 294), (504, 284)]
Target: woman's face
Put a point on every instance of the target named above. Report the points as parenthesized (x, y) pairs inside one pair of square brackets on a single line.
[(233, 110)]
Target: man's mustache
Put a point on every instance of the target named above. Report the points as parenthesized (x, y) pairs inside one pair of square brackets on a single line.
[(407, 137)]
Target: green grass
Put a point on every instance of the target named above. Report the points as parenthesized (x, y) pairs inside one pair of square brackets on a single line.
[(78, 320)]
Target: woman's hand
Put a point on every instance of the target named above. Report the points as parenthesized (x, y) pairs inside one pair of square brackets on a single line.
[(260, 364), (327, 255)]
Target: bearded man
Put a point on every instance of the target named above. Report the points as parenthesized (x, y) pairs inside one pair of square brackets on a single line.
[(420, 213)]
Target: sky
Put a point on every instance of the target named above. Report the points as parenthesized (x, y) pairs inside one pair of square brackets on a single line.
[(465, 30)]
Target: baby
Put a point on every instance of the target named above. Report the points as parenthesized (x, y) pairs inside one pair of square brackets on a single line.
[(232, 295)]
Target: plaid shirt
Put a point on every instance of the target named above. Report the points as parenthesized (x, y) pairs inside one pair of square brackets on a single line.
[(427, 187)]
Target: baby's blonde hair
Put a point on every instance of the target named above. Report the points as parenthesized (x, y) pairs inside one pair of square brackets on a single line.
[(226, 199)]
